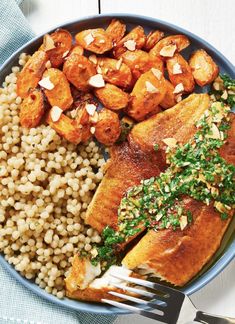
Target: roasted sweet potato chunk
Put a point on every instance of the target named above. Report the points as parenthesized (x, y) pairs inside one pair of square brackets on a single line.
[(116, 30), (78, 70), (112, 97), (77, 49), (108, 128), (31, 73), (169, 99), (204, 69), (115, 72), (57, 46), (153, 38), (135, 39), (180, 41), (95, 40), (66, 127), (32, 109), (146, 95), (140, 62), (60, 94), (179, 71)]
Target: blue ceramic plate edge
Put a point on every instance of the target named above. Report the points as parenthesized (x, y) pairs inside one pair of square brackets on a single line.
[(222, 262)]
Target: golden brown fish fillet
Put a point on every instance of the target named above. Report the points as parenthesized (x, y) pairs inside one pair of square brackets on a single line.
[(177, 256), (136, 159)]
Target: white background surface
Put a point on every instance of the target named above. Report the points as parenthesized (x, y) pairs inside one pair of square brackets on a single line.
[(213, 20)]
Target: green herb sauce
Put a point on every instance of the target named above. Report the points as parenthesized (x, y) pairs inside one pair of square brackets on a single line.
[(195, 170)]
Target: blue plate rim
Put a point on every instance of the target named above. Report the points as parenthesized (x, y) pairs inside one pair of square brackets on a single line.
[(221, 263)]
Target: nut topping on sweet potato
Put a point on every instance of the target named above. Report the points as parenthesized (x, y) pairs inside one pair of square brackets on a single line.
[(137, 35), (94, 40), (60, 94), (180, 41), (179, 71), (62, 40), (115, 73), (78, 70), (146, 95)]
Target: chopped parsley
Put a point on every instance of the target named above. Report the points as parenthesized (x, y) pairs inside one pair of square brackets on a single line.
[(195, 170)]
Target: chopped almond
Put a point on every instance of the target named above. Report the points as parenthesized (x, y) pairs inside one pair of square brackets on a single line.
[(177, 69), (98, 69), (92, 130), (90, 108), (55, 113), (46, 83), (119, 63), (48, 43), (130, 44), (150, 87), (179, 88), (157, 73), (170, 141), (74, 113), (93, 58), (97, 81), (183, 222), (65, 54), (168, 50), (89, 39)]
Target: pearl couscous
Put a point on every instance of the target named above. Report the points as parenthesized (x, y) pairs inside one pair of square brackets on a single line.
[(46, 185)]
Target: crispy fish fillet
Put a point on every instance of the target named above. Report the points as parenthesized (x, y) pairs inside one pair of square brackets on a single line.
[(136, 159), (177, 256)]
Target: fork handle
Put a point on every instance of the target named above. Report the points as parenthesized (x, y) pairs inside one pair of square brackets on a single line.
[(203, 317)]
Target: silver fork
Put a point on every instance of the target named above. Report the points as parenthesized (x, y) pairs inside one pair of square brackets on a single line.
[(164, 304)]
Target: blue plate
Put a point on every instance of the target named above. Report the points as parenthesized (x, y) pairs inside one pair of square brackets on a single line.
[(227, 250)]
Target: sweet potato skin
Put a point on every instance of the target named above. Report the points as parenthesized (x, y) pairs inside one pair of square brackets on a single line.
[(116, 30), (144, 103), (31, 73), (137, 34), (60, 95), (181, 42), (112, 97), (63, 43), (204, 69), (107, 129), (169, 99), (102, 42), (32, 109), (152, 39), (78, 70), (112, 73), (186, 77)]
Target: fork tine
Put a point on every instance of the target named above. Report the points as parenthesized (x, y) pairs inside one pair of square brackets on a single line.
[(135, 290), (140, 292), (138, 300), (146, 283), (128, 297), (135, 310)]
